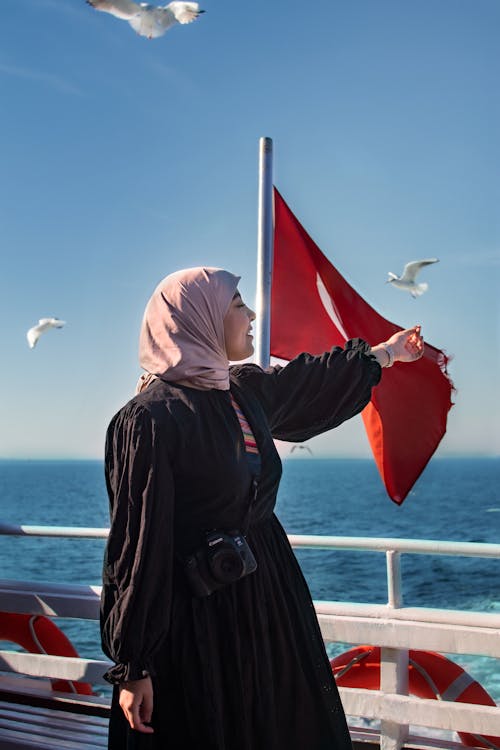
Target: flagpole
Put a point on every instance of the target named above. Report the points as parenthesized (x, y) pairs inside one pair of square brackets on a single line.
[(264, 253)]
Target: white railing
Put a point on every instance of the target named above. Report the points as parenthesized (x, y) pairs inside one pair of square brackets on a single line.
[(391, 626), (397, 629)]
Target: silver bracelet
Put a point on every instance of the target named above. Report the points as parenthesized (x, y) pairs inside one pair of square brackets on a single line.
[(390, 353)]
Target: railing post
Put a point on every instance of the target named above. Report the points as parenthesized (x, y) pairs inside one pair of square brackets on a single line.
[(393, 679), (394, 593), (393, 662)]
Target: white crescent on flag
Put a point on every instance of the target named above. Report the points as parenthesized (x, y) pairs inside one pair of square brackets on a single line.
[(329, 306)]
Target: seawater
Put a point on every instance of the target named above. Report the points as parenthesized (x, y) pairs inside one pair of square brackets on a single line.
[(454, 499)]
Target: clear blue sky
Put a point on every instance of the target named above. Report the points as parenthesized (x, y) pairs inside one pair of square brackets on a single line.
[(124, 159)]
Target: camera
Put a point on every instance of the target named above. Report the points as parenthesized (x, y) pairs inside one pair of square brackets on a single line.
[(223, 559)]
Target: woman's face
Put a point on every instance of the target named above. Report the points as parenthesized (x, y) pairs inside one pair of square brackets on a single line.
[(237, 327)]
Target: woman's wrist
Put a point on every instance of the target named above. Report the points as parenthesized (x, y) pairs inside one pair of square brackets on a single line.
[(384, 354), (390, 354)]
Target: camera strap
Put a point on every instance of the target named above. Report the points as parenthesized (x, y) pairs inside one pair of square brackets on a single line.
[(252, 457)]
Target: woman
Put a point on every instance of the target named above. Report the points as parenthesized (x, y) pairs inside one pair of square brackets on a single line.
[(205, 612)]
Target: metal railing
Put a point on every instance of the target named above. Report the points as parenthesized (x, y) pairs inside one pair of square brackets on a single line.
[(391, 626)]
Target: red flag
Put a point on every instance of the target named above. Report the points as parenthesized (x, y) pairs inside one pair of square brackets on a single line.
[(313, 308)]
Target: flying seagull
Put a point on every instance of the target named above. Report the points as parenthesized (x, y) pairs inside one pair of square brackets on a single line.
[(149, 20), (406, 281), (44, 324), (300, 447)]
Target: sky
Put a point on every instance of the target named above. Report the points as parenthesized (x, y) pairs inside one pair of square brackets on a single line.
[(124, 159)]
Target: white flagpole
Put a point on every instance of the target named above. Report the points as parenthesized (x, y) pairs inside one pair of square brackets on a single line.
[(264, 254)]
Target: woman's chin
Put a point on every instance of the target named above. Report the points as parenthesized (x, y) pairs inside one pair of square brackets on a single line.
[(242, 354)]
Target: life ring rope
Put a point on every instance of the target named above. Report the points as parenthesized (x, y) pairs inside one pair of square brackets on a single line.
[(425, 674), (31, 626), (353, 661), (454, 690), (481, 741)]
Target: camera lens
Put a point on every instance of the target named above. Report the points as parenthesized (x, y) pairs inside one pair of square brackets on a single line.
[(226, 565)]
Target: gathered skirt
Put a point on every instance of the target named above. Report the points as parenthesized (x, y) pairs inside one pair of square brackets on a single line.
[(244, 668)]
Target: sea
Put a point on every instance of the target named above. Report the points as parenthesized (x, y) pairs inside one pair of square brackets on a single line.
[(454, 500)]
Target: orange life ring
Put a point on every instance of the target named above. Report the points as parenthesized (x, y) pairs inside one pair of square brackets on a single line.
[(39, 635), (430, 675)]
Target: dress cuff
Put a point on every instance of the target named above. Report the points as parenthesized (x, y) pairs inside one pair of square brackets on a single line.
[(360, 348), (126, 673), (356, 346)]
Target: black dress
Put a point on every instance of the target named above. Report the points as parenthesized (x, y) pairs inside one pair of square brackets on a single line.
[(244, 668)]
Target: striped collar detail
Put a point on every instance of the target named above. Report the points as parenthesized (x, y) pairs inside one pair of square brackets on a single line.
[(248, 436)]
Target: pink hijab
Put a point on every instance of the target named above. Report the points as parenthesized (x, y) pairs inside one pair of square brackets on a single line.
[(182, 333)]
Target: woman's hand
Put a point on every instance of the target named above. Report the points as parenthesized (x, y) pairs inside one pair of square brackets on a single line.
[(136, 701), (403, 346)]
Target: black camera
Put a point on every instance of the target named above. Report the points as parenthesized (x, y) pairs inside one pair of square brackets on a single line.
[(223, 559)]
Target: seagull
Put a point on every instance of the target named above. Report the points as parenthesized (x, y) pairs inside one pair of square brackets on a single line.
[(301, 447), (406, 281), (149, 20), (44, 324)]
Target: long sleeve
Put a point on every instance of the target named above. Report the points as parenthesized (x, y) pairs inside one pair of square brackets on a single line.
[(311, 395), (137, 570)]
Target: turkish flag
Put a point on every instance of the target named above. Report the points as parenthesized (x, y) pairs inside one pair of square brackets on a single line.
[(313, 308)]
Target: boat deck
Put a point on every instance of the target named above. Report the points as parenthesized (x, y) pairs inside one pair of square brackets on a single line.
[(32, 715)]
